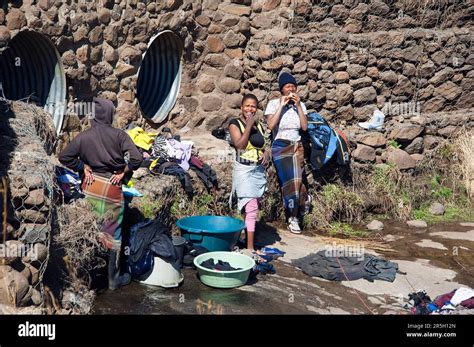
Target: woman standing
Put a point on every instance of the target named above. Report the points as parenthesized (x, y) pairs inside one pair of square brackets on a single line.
[(248, 178), (286, 117), (99, 153)]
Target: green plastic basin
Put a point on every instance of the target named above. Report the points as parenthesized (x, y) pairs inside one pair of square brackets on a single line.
[(225, 279)]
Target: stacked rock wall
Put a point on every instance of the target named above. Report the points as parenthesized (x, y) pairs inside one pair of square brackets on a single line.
[(348, 56)]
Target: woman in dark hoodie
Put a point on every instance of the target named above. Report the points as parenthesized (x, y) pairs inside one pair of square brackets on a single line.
[(99, 153)]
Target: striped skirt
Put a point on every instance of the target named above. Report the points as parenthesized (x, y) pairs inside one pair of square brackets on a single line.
[(288, 158), (108, 203)]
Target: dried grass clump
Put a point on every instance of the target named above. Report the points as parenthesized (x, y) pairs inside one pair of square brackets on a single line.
[(465, 147)]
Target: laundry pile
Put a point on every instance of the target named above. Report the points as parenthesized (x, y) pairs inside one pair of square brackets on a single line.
[(263, 258), (421, 304), (169, 155), (334, 268)]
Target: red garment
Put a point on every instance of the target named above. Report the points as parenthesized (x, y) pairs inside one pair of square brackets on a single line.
[(196, 162)]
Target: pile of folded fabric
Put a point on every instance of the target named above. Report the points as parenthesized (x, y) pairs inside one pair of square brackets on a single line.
[(169, 155)]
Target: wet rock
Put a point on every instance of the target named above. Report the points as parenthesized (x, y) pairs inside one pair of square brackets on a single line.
[(400, 158), (375, 225), (437, 209), (392, 238), (417, 224), (364, 153)]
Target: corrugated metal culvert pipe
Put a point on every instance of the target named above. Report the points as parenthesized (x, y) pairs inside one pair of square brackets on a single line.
[(31, 68), (159, 76)]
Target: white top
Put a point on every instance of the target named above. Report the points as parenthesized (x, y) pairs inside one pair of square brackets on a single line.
[(290, 125)]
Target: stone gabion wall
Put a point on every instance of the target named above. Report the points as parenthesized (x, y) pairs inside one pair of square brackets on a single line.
[(349, 56), (28, 134)]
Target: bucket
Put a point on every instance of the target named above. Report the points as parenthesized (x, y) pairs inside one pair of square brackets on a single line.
[(225, 279), (164, 274), (178, 243), (215, 233)]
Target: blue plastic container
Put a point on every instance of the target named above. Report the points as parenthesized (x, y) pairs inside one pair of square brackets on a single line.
[(215, 233)]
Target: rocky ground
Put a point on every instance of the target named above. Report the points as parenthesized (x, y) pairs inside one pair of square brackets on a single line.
[(434, 259)]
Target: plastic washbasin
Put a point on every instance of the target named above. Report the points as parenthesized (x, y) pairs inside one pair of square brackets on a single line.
[(225, 279), (215, 233)]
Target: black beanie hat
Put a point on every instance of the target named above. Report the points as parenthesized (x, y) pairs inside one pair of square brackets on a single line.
[(285, 78)]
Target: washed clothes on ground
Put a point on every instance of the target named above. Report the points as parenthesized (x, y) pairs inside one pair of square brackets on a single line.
[(366, 266)]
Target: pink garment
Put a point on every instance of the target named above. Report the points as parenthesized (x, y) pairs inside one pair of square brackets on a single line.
[(251, 212)]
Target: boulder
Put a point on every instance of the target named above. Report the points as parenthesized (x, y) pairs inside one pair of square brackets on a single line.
[(229, 85), (215, 44), (364, 153), (416, 146), (343, 94), (417, 224), (375, 225), (406, 132), (211, 103), (400, 158), (437, 209), (372, 139), (365, 95)]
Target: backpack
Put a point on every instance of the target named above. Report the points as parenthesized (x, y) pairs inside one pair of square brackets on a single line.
[(324, 142)]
